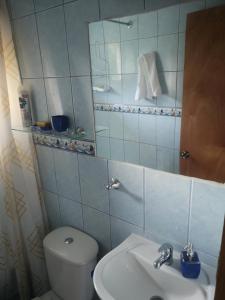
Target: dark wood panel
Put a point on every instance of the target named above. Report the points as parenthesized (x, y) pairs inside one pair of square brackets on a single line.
[(203, 119)]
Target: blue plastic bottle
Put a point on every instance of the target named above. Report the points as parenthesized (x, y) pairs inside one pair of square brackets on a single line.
[(189, 262)]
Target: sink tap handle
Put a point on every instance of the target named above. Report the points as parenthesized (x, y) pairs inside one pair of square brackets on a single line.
[(166, 249)]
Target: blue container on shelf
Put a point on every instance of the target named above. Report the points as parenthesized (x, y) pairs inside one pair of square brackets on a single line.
[(60, 123), (190, 263)]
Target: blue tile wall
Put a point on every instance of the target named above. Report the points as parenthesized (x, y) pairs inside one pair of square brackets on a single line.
[(52, 35), (21, 8), (27, 47), (162, 206), (44, 4), (100, 213)]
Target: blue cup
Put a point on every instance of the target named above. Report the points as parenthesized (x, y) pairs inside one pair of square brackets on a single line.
[(60, 123)]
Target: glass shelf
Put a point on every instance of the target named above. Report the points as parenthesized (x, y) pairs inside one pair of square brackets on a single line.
[(62, 140), (70, 134)]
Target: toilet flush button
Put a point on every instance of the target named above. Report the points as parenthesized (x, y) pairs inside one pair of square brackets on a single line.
[(69, 240)]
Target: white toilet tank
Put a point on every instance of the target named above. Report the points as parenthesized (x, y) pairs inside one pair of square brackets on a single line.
[(71, 256)]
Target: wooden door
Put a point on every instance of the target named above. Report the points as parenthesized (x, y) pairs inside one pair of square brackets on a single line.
[(220, 278), (203, 116)]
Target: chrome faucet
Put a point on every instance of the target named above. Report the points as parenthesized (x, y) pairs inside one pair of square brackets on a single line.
[(114, 184), (166, 256)]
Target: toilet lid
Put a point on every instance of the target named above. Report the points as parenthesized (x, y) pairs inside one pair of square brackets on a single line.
[(72, 245)]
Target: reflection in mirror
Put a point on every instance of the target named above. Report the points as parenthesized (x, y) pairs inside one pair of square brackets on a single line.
[(144, 131)]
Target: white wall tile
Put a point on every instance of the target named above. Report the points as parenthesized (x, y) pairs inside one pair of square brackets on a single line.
[(147, 25), (129, 33), (83, 104), (97, 224), (116, 149), (116, 125), (147, 45), (167, 48), (46, 168), (207, 216), (120, 230), (115, 93), (213, 3), (53, 210), (103, 147), (177, 133), (131, 127), (52, 35), (102, 123), (165, 131), (98, 59), (67, 176), (93, 180), (148, 155), (165, 159), (167, 205), (168, 20), (115, 8), (36, 89), (77, 14), (113, 58), (111, 32), (129, 86), (45, 4), (168, 82), (180, 80), (100, 82), (26, 39), (157, 4), (147, 129), (96, 33), (127, 202), (131, 152), (181, 51), (129, 54), (71, 213), (21, 8), (59, 98)]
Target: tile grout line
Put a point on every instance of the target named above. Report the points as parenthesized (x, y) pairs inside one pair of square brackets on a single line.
[(68, 58), (191, 189), (144, 199), (42, 64), (81, 198), (108, 196)]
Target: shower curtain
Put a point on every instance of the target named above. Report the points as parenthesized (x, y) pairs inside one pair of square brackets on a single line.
[(22, 215)]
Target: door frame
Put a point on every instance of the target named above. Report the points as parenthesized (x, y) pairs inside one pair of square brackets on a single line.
[(220, 278)]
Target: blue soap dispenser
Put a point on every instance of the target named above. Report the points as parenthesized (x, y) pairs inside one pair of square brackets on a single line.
[(189, 261)]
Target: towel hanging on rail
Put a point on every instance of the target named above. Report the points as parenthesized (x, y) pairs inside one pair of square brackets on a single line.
[(148, 86)]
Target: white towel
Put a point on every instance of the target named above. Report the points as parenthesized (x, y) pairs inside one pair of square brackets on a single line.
[(148, 85)]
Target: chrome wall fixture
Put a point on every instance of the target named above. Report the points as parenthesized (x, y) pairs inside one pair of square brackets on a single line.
[(128, 24), (114, 184)]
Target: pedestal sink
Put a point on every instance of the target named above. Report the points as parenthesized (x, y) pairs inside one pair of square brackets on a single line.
[(127, 273)]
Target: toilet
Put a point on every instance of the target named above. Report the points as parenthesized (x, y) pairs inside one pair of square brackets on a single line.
[(71, 256)]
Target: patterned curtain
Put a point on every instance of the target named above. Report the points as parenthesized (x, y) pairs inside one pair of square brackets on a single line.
[(22, 215)]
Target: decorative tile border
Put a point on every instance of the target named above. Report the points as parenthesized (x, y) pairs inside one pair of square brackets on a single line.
[(163, 111), (65, 143)]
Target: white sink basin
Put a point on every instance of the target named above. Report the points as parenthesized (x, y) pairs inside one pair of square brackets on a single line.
[(127, 273)]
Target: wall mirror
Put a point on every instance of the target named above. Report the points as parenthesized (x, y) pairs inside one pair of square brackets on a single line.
[(139, 120), (144, 131)]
